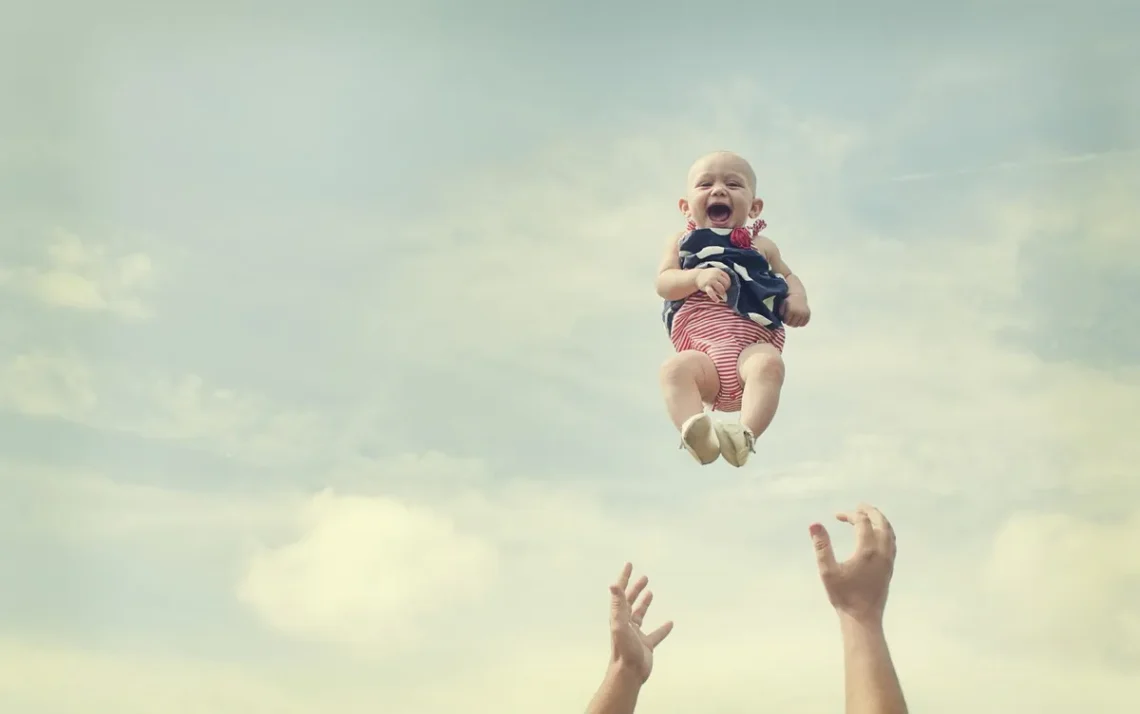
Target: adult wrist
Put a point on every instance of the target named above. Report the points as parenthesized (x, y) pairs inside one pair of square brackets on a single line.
[(621, 673), (860, 622)]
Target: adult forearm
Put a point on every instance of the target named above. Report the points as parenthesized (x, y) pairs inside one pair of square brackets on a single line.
[(871, 683), (618, 693), (676, 284)]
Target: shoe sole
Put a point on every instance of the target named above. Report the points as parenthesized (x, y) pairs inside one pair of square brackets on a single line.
[(733, 455), (698, 432)]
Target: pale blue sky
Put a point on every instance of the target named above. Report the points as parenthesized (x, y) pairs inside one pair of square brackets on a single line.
[(406, 254)]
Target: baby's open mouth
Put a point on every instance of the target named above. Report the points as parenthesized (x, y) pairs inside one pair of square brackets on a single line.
[(718, 213)]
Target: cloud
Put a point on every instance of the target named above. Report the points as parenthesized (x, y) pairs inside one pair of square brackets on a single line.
[(515, 572), (1070, 584), (42, 677), (362, 569), (752, 627), (227, 421), (47, 385), (1046, 163), (99, 509), (183, 410), (87, 277)]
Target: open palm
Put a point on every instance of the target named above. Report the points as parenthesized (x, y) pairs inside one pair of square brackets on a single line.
[(859, 585), (630, 646)]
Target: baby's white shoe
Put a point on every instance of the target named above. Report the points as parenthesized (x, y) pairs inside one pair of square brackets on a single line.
[(736, 443), (699, 437)]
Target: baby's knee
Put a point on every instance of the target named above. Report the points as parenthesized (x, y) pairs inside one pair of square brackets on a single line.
[(683, 367), (766, 365)]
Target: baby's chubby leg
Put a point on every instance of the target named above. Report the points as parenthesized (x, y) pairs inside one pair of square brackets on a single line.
[(688, 382), (762, 373)]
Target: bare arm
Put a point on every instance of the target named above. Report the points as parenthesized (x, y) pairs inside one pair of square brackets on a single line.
[(772, 253), (870, 680), (631, 648), (858, 589), (672, 282), (618, 693)]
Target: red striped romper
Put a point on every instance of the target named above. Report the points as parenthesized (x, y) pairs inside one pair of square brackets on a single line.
[(720, 332)]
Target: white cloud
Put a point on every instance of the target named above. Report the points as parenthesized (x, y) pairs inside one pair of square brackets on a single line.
[(52, 385), (516, 573), (362, 570), (82, 275), (184, 408), (39, 677), (1070, 584), (98, 508), (227, 421)]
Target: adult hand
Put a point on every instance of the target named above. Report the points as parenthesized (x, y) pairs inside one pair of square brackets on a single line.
[(858, 586), (631, 649)]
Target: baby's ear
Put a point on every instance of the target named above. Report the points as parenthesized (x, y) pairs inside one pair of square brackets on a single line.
[(684, 206), (757, 207)]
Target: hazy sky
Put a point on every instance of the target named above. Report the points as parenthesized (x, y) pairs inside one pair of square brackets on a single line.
[(329, 349)]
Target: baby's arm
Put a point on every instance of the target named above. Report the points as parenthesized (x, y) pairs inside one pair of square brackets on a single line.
[(770, 252), (672, 282)]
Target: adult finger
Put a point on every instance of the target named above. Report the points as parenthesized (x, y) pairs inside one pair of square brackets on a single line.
[(657, 636), (824, 554), (623, 579), (864, 531), (888, 526), (884, 534), (642, 608), (634, 591), (619, 608)]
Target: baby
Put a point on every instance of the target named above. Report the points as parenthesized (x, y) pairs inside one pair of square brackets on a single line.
[(728, 295)]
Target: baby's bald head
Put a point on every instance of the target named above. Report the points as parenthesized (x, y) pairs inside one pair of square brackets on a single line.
[(721, 162)]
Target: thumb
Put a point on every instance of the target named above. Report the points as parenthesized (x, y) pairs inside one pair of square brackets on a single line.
[(618, 605), (824, 555)]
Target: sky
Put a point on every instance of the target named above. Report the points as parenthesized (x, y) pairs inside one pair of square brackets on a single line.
[(329, 351)]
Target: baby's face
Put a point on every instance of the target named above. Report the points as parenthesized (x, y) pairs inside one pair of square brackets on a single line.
[(722, 192)]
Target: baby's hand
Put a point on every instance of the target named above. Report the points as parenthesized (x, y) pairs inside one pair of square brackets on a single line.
[(714, 282), (796, 312)]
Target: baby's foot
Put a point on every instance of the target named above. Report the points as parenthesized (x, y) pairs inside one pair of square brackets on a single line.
[(736, 443), (699, 437)]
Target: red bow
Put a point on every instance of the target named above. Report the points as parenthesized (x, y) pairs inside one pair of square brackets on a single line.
[(741, 237)]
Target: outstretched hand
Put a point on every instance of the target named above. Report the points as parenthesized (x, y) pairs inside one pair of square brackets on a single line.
[(631, 648), (858, 586)]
